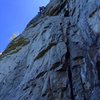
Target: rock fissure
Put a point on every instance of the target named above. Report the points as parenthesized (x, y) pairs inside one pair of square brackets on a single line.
[(71, 84), (70, 74)]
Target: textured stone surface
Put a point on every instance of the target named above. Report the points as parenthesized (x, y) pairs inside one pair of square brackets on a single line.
[(57, 57)]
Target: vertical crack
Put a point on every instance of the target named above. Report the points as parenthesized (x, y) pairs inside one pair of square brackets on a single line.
[(70, 75), (70, 82)]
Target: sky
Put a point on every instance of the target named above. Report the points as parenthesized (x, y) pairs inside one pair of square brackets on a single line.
[(14, 16)]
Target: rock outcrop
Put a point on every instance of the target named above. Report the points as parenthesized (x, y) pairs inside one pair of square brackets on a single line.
[(57, 57)]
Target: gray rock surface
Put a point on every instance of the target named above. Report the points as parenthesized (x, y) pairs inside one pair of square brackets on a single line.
[(57, 57)]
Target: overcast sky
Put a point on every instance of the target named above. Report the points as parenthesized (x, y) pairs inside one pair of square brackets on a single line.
[(15, 15)]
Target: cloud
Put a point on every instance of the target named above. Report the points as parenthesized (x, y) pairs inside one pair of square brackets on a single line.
[(0, 53)]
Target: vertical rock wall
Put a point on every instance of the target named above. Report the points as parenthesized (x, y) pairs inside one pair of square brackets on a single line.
[(57, 57)]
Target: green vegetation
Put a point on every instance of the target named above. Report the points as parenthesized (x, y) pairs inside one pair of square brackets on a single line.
[(43, 52), (34, 22), (15, 44)]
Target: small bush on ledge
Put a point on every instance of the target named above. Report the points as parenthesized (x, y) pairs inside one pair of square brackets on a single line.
[(16, 44)]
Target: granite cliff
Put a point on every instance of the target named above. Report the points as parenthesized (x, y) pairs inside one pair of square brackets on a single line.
[(57, 56)]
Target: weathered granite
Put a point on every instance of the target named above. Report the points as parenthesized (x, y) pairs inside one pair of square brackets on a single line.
[(57, 57)]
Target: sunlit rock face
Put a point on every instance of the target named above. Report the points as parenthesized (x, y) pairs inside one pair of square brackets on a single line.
[(57, 57)]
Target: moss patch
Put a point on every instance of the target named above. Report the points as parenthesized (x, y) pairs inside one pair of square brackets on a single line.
[(15, 44), (34, 22), (43, 52)]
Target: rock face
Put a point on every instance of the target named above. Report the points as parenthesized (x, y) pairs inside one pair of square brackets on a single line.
[(57, 57)]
